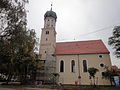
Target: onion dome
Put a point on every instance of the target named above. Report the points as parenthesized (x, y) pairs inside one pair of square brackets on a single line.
[(50, 14)]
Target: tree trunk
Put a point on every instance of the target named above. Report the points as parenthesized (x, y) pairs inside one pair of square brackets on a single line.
[(94, 81), (10, 74), (9, 78), (97, 81), (110, 81)]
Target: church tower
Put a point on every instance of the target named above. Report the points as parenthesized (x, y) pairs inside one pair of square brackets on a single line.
[(48, 36)]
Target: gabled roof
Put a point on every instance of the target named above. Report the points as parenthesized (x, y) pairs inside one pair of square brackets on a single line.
[(81, 47)]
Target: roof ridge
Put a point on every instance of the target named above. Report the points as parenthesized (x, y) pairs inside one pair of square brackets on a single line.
[(80, 41)]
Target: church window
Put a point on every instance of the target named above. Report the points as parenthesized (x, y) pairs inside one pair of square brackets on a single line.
[(45, 51), (72, 66), (61, 66), (84, 66), (100, 56), (102, 65), (47, 32)]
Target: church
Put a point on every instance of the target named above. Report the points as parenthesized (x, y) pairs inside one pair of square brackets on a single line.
[(71, 60)]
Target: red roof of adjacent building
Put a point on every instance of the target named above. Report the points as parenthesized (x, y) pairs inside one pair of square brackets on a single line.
[(115, 68), (81, 47)]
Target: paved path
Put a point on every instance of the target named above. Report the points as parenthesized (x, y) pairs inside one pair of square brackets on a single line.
[(24, 89)]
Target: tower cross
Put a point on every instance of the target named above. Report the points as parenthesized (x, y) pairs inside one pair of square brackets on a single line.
[(51, 6)]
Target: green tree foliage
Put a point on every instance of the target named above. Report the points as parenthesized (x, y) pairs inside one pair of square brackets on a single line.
[(92, 71), (114, 41), (17, 43)]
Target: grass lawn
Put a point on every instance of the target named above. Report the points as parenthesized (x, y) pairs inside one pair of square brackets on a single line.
[(79, 87), (92, 88), (108, 88)]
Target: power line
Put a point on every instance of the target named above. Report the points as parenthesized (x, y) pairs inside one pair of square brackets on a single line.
[(98, 30)]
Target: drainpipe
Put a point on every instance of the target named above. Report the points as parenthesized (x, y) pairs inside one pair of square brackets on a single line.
[(79, 77)]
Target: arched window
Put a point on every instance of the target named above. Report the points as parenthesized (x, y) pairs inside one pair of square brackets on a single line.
[(62, 66), (84, 66), (47, 32), (72, 66)]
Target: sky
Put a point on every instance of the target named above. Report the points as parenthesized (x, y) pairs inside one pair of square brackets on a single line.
[(78, 20)]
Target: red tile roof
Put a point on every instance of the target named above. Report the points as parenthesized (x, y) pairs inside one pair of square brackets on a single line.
[(115, 68), (81, 47)]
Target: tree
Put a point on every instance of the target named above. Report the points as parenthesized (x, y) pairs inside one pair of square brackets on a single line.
[(92, 71), (109, 74), (17, 42), (114, 41), (55, 77)]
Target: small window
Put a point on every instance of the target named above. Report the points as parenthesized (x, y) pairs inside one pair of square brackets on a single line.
[(62, 66), (47, 32), (84, 66), (100, 56), (52, 25), (48, 19), (102, 65), (72, 66), (45, 51), (46, 39), (103, 73)]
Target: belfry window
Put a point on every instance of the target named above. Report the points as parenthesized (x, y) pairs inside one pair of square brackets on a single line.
[(47, 32), (62, 66), (72, 66), (84, 66)]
